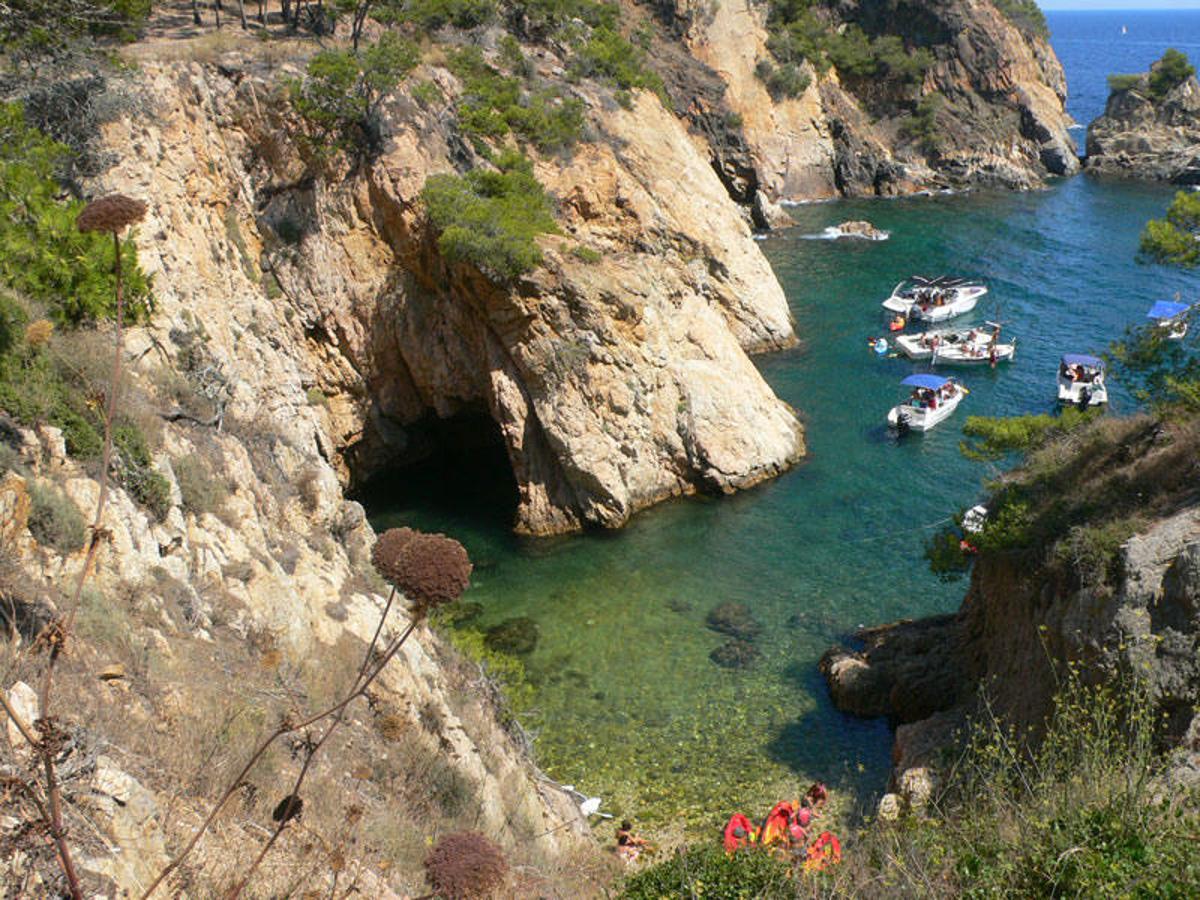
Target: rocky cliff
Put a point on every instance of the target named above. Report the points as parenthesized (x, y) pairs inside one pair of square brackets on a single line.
[(1107, 585), (992, 96), (1142, 135)]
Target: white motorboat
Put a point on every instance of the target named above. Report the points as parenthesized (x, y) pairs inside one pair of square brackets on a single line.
[(1081, 380), (978, 346), (1170, 319), (934, 299), (932, 400)]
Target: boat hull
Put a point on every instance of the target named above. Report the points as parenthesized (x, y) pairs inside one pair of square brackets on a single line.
[(917, 419), (1072, 392), (953, 309)]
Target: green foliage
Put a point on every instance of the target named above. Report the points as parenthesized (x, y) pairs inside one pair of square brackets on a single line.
[(606, 54), (1175, 240), (586, 254), (431, 15), (135, 467), (946, 557), (340, 94), (797, 33), (1171, 70), (707, 872), (1088, 823), (36, 27), (427, 93), (922, 127), (494, 105), (1026, 15), (994, 437), (1118, 83), (787, 80), (42, 254), (54, 520), (557, 18), (1158, 371), (489, 218)]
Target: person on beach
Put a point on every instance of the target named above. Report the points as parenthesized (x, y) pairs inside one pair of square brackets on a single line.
[(629, 845)]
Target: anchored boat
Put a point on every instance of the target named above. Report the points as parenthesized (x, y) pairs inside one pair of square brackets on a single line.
[(933, 399), (934, 299), (1081, 380), (978, 346), (1171, 319)]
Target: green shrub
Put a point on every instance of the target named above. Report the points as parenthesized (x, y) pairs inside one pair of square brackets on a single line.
[(608, 56), (427, 93), (1173, 240), (994, 437), (340, 93), (706, 871), (1171, 70), (1118, 83), (555, 18), (493, 105), (490, 218), (1026, 15), (922, 127), (54, 520), (42, 254), (135, 466), (431, 15), (787, 80), (199, 491)]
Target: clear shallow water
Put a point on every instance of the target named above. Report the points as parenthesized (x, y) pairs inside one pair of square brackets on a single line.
[(629, 706)]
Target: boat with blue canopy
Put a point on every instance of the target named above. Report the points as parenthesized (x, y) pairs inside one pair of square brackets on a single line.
[(1171, 318), (1081, 380), (933, 399)]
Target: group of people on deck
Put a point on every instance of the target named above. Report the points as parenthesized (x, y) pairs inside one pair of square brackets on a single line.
[(927, 398), (1077, 372)]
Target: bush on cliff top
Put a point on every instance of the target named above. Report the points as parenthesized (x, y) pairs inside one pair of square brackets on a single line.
[(1026, 15), (491, 217), (1171, 70)]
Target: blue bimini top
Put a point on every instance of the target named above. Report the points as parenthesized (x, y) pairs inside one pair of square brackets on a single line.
[(1165, 309), (933, 382), (1082, 359)]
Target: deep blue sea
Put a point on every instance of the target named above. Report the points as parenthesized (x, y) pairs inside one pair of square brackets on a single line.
[(1091, 46), (628, 705)]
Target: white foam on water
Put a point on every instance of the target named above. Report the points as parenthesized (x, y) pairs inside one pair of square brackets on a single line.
[(833, 233)]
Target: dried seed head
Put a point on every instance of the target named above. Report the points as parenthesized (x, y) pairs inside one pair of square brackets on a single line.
[(37, 333), (465, 865), (112, 214), (290, 807), (429, 569)]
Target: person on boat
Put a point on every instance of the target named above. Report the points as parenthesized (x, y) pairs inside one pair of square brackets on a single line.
[(629, 845), (897, 324), (1077, 373), (933, 400)]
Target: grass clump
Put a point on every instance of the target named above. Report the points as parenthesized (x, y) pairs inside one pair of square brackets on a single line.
[(785, 81), (54, 520), (607, 55), (199, 491), (491, 217), (586, 254)]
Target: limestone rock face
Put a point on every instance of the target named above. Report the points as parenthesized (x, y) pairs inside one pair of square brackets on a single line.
[(1003, 121), (1140, 136), (613, 384)]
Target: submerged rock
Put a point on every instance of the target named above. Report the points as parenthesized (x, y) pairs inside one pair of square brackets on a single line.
[(735, 620), (735, 654), (517, 636)]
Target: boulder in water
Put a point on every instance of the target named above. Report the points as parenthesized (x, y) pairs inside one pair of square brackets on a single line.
[(861, 229), (735, 620), (517, 636), (735, 654)]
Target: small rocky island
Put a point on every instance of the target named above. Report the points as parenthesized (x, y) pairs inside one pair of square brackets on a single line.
[(1151, 126)]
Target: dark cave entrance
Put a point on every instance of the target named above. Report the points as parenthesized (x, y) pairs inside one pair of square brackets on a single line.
[(453, 474)]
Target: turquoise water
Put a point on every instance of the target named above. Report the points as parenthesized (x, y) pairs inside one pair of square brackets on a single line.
[(628, 704)]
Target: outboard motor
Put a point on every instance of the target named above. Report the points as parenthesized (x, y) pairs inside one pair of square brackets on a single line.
[(1085, 398), (903, 425)]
